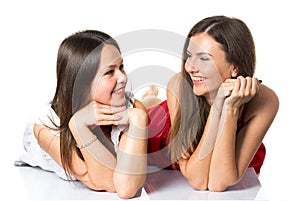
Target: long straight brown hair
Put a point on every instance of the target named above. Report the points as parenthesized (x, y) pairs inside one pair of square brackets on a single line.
[(236, 41), (77, 63)]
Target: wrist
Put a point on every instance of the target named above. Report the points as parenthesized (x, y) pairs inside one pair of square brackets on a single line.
[(77, 121), (231, 110), (138, 117), (217, 106)]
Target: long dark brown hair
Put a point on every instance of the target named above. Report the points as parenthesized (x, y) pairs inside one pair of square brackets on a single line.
[(77, 63), (236, 41)]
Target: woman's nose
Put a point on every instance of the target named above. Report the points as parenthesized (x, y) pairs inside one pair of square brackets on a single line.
[(122, 78), (191, 67)]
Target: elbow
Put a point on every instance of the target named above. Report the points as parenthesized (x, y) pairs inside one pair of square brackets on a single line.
[(110, 189), (221, 184), (205, 184), (217, 187), (128, 187), (127, 193), (197, 181), (198, 184), (100, 186)]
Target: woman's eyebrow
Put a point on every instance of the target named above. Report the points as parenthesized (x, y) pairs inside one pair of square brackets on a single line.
[(201, 53), (204, 53)]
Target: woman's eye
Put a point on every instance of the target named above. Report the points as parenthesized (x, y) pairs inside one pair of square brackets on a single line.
[(204, 58), (121, 67), (110, 72)]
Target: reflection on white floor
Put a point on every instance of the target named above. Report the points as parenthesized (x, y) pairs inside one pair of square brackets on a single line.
[(161, 185), (171, 185)]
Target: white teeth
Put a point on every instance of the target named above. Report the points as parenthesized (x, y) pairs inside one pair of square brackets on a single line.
[(119, 90), (198, 79)]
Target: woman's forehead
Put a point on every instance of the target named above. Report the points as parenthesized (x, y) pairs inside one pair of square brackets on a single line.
[(109, 55), (203, 41)]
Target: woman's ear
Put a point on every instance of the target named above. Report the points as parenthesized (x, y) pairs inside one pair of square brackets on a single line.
[(234, 71)]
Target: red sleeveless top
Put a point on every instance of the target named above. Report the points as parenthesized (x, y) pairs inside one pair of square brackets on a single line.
[(159, 126)]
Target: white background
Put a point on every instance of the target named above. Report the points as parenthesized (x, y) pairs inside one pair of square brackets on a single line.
[(31, 32)]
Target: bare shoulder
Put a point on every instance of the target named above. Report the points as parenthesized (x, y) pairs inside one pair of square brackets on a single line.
[(267, 96), (265, 103), (138, 104)]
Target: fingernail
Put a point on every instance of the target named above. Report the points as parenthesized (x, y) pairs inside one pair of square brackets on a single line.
[(118, 117)]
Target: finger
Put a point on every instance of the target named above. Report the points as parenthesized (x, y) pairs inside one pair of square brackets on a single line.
[(115, 123), (230, 81), (229, 84), (110, 109), (237, 85), (228, 90), (255, 86), (243, 84), (107, 123), (109, 120), (103, 106), (118, 109), (104, 117), (123, 121), (227, 87), (249, 84)]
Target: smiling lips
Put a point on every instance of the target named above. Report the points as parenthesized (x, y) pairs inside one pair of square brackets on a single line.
[(120, 91), (198, 79)]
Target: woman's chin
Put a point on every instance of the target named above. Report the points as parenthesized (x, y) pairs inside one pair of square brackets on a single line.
[(198, 92), (119, 102)]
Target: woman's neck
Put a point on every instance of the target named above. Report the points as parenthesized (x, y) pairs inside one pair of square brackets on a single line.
[(210, 97)]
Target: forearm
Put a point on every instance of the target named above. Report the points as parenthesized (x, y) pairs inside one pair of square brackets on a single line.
[(132, 156), (98, 160), (198, 165), (131, 169), (223, 168), (130, 173)]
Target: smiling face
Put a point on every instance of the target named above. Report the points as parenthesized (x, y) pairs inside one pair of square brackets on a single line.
[(207, 66), (108, 86)]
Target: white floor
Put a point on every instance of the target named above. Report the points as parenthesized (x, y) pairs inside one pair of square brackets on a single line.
[(163, 185)]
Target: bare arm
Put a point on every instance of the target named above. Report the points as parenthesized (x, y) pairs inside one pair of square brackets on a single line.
[(48, 141), (233, 152), (202, 168), (102, 167), (97, 169), (131, 168), (85, 171), (194, 169)]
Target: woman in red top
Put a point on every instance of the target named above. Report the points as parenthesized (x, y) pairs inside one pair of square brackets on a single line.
[(218, 111)]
